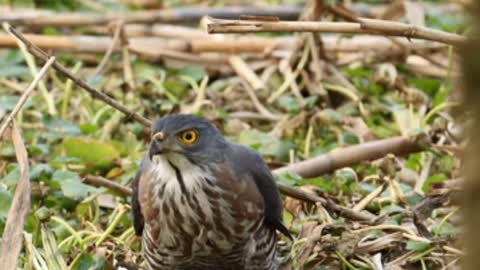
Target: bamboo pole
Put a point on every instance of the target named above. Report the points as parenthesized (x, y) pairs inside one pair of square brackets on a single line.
[(363, 26), (181, 15), (100, 44)]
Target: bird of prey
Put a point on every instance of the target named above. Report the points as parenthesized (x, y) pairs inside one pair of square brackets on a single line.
[(201, 202)]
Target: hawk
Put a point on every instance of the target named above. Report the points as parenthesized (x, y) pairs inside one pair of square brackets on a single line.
[(201, 202)]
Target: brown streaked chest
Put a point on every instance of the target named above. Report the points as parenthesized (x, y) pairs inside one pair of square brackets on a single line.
[(215, 212)]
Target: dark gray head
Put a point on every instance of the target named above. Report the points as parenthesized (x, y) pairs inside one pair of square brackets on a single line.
[(190, 136)]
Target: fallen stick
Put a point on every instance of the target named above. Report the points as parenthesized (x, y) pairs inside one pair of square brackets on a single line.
[(17, 214), (39, 53), (25, 95), (181, 15), (351, 155), (363, 26), (244, 71), (100, 181), (142, 45)]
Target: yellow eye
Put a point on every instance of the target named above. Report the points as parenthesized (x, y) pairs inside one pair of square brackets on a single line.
[(189, 137)]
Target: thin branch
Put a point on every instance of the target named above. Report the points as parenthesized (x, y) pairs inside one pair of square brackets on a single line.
[(17, 214), (144, 45), (151, 16), (244, 71), (115, 42), (99, 181), (364, 26), (25, 94), (39, 53), (351, 155)]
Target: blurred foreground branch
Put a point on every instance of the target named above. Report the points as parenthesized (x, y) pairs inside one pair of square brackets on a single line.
[(363, 26), (12, 235), (471, 186)]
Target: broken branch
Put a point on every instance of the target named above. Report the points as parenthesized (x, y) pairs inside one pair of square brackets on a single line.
[(17, 214), (351, 155), (363, 26)]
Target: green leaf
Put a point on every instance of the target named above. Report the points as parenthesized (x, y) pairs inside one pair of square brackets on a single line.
[(195, 72), (58, 128), (88, 128), (324, 184), (12, 177), (289, 103), (427, 85), (445, 229), (266, 144), (436, 178), (417, 246), (288, 178), (88, 262), (392, 208), (7, 103), (93, 153), (350, 138), (5, 201), (71, 185)]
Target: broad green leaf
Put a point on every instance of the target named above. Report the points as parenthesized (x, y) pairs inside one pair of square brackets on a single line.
[(5, 201), (88, 262), (445, 229), (436, 178), (427, 85), (71, 185), (195, 72), (417, 246), (7, 103), (266, 144), (93, 153), (290, 104), (58, 128)]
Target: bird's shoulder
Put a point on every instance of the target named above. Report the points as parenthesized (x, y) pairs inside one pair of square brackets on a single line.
[(138, 222), (248, 161)]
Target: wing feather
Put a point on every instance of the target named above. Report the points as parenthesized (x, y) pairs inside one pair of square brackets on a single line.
[(138, 221), (246, 160)]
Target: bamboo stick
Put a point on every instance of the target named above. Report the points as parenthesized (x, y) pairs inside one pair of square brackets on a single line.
[(363, 26), (180, 15), (100, 44), (351, 155)]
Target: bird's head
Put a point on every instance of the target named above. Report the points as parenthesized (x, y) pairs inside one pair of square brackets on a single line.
[(187, 136)]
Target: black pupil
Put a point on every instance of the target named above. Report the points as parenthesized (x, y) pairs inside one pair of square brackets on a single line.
[(188, 136)]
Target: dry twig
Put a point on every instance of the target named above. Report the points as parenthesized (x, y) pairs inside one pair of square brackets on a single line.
[(115, 42), (99, 181), (363, 26), (351, 155), (152, 16), (12, 235), (244, 71)]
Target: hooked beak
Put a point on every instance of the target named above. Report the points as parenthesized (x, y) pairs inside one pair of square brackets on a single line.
[(156, 146)]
